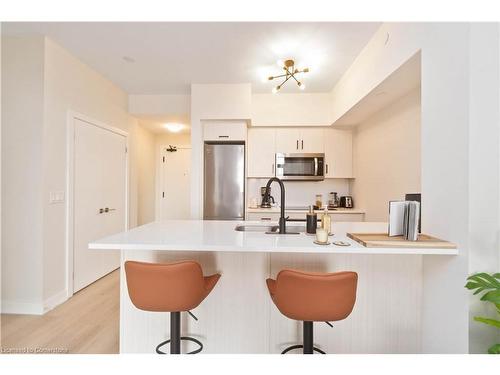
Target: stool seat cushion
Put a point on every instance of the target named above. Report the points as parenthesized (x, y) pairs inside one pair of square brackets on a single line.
[(167, 287), (314, 296)]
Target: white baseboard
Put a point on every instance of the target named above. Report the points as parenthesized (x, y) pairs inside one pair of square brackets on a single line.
[(29, 308), (55, 300)]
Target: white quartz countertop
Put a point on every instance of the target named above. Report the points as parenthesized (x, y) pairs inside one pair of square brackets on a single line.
[(276, 209), (220, 236)]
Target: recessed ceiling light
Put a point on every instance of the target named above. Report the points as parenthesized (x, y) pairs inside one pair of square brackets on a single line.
[(174, 127), (128, 59)]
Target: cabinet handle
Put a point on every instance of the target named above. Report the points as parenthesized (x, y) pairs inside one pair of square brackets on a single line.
[(223, 136), (327, 169), (302, 144), (297, 144), (265, 218)]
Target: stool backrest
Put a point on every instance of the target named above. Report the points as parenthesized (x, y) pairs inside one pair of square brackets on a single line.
[(311, 296), (166, 287)]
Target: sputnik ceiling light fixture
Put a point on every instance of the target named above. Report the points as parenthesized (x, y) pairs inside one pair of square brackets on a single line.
[(290, 71)]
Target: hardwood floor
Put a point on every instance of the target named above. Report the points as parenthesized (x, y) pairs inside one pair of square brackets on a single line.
[(86, 323)]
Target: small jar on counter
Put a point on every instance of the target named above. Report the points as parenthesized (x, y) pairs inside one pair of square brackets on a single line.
[(319, 200)]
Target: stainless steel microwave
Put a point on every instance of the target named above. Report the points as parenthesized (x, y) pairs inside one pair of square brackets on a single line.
[(300, 166)]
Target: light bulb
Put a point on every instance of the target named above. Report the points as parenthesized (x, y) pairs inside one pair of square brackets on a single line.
[(302, 86), (174, 127)]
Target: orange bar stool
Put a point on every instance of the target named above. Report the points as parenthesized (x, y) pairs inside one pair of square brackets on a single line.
[(169, 287), (313, 297)]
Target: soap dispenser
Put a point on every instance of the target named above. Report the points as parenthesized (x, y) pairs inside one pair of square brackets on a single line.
[(326, 221), (312, 221)]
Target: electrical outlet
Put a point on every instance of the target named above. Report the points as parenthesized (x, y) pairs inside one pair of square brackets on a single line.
[(56, 197)]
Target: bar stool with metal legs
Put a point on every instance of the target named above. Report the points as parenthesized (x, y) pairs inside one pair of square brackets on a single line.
[(313, 297), (169, 287)]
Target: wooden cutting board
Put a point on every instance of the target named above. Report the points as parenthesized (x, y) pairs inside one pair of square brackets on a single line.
[(383, 240)]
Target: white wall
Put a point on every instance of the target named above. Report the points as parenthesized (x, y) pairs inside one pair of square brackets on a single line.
[(445, 172), (484, 169), (304, 109), (146, 174), (386, 156), (45, 82), (159, 104), (22, 132), (301, 193), (71, 85)]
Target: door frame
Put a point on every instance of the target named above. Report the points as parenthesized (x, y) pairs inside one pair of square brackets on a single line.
[(159, 172), (70, 177)]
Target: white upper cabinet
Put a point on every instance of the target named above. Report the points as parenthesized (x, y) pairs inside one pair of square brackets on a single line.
[(338, 153), (288, 140), (297, 140), (260, 151), (312, 140), (224, 130)]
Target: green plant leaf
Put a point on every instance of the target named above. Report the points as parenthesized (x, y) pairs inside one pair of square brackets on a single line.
[(495, 349), (492, 296), (485, 280), (491, 322)]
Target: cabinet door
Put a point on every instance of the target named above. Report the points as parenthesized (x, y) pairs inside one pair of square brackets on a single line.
[(338, 153), (312, 140), (288, 140), (348, 217), (261, 145), (224, 131), (270, 217)]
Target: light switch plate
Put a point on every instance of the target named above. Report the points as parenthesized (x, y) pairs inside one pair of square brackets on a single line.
[(56, 197)]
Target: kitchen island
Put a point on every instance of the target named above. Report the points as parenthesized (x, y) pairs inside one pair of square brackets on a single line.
[(239, 317)]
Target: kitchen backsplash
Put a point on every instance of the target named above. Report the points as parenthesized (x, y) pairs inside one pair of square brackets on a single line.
[(298, 193)]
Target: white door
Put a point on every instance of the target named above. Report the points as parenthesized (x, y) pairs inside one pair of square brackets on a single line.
[(175, 194), (288, 140), (99, 184), (261, 152)]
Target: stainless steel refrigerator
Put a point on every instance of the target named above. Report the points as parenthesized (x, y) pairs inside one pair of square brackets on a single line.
[(224, 181)]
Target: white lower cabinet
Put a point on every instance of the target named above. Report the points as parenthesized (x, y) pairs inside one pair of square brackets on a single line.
[(262, 216), (274, 216)]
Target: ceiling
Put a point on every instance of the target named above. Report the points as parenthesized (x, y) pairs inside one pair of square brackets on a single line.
[(166, 57), (156, 123), (404, 79)]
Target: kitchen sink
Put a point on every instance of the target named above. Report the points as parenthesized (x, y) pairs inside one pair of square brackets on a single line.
[(256, 228), (268, 228)]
